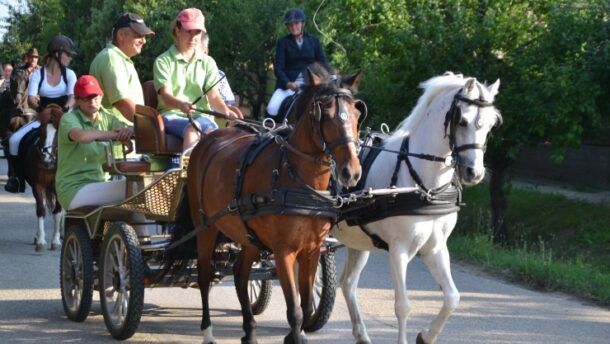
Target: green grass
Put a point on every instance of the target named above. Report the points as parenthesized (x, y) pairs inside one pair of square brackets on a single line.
[(555, 243)]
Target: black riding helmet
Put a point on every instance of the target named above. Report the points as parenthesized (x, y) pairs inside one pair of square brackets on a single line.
[(61, 43), (294, 15)]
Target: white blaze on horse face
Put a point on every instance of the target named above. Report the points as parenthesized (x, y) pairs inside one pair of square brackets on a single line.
[(47, 154), (474, 127)]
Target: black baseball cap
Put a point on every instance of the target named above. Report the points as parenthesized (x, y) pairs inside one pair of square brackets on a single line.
[(133, 21)]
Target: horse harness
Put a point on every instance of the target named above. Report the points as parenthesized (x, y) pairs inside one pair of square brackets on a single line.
[(443, 200), (301, 201)]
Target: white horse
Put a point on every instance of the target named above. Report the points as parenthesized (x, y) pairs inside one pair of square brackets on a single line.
[(445, 136)]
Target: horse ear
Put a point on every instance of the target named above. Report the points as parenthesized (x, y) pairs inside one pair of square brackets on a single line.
[(352, 82), (493, 88), (469, 86), (314, 80)]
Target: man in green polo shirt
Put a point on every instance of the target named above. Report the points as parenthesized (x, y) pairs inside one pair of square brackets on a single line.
[(114, 69), (80, 178)]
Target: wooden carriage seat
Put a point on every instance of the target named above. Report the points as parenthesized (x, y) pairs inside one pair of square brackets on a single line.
[(149, 128)]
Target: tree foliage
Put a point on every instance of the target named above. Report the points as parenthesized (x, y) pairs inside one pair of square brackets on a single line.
[(551, 55)]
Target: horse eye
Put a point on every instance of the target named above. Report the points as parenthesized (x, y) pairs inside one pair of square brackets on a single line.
[(463, 122)]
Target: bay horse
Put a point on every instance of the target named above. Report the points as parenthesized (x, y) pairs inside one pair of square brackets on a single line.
[(323, 141), (444, 138), (40, 169)]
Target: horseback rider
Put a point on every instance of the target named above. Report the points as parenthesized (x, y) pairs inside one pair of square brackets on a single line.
[(80, 178), (293, 53), (51, 84), (114, 69), (181, 75)]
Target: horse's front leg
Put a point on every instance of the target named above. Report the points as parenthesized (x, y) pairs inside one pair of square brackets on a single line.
[(206, 242), (241, 271), (354, 263), (438, 263), (308, 266), (40, 239), (58, 216), (399, 257), (284, 266)]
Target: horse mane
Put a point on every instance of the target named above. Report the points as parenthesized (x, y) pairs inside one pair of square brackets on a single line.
[(432, 88), (309, 91)]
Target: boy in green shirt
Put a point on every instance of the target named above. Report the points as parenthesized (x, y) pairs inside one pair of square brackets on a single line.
[(80, 179)]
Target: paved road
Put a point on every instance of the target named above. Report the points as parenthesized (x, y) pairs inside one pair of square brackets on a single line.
[(491, 311)]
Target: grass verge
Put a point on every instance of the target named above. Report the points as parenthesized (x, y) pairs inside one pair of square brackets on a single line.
[(555, 244)]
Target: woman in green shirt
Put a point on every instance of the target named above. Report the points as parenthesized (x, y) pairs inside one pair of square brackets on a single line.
[(182, 74), (80, 180)]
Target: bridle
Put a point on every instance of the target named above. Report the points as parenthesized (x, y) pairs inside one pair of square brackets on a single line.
[(317, 118), (452, 120)]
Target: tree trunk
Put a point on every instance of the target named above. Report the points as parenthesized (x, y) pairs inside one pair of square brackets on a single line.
[(498, 196)]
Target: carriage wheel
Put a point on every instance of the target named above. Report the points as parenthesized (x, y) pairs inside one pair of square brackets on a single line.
[(76, 274), (259, 292), (121, 280), (324, 291)]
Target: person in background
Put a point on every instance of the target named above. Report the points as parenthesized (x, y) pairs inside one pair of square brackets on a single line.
[(20, 79), (80, 180), (223, 83), (51, 84), (293, 53), (5, 82), (114, 69), (182, 75)]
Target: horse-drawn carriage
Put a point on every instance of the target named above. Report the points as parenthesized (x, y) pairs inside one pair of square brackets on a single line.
[(147, 240), (406, 204)]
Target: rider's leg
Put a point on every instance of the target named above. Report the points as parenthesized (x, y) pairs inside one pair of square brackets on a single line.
[(191, 135), (99, 193), (16, 182), (276, 100)]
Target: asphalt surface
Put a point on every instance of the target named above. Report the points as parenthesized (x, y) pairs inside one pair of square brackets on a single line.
[(490, 311)]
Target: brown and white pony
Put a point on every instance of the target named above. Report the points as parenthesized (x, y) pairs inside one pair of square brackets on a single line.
[(324, 141), (40, 168)]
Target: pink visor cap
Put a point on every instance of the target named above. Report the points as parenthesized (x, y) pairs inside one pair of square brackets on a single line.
[(191, 19)]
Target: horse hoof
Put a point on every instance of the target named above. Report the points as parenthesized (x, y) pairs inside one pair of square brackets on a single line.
[(39, 247), (244, 340), (420, 339), (289, 339), (55, 247)]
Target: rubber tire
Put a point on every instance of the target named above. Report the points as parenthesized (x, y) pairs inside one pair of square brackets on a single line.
[(76, 246), (260, 301), (123, 235), (325, 287)]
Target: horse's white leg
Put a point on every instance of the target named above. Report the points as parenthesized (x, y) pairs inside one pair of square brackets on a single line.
[(355, 262), (41, 241), (440, 268), (58, 219), (399, 259)]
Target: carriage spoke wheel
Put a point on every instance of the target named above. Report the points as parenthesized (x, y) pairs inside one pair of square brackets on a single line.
[(76, 274), (121, 280), (259, 291), (324, 292)]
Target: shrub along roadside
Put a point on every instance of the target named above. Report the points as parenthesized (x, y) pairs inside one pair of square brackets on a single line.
[(559, 244)]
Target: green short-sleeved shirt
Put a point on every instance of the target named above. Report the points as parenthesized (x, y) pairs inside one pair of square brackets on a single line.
[(117, 77), (186, 79), (79, 164)]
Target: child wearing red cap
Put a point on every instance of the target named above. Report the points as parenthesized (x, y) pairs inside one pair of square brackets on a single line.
[(80, 180)]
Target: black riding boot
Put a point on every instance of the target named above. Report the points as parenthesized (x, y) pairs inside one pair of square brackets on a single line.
[(13, 183)]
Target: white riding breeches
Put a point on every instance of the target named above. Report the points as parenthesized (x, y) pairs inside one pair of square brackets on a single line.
[(15, 139), (100, 193), (276, 100)]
